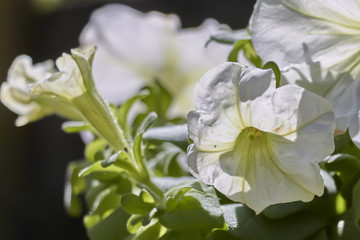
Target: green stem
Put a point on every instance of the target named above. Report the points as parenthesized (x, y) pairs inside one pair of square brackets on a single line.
[(100, 116), (156, 192)]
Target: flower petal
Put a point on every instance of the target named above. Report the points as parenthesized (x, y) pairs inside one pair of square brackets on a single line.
[(258, 180), (339, 91), (131, 35), (215, 124), (328, 28), (67, 84)]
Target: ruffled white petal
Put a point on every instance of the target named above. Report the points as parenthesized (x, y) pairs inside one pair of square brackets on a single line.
[(216, 123), (130, 35), (339, 91), (67, 83)]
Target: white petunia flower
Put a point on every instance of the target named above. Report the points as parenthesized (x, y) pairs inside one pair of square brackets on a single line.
[(135, 49), (330, 29), (74, 86), (16, 92), (257, 144)]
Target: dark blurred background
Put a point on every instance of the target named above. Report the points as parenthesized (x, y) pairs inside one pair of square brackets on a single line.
[(33, 158)]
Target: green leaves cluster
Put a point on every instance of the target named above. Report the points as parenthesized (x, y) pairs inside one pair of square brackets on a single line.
[(121, 198)]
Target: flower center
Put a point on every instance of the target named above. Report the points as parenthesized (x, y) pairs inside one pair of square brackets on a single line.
[(253, 133)]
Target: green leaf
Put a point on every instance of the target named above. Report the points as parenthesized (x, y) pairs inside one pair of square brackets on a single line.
[(121, 185), (138, 153), (346, 229), (106, 202), (75, 126), (173, 235), (159, 100), (111, 228), (192, 206), (347, 168), (113, 158), (119, 159), (146, 197), (147, 123), (123, 111), (282, 210), (97, 171), (276, 70), (134, 204), (91, 220), (245, 224), (344, 144), (165, 183), (134, 223), (220, 235), (166, 163), (152, 231), (321, 235), (74, 186), (356, 204), (94, 150), (177, 135)]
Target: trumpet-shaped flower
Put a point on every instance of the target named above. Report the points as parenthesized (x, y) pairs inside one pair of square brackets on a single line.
[(135, 49), (74, 86), (257, 144), (16, 92), (330, 29)]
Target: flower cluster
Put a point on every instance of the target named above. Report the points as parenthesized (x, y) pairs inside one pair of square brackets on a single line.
[(273, 147)]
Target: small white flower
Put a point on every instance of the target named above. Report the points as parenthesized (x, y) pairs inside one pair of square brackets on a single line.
[(135, 49), (74, 86), (256, 144), (16, 92), (330, 29)]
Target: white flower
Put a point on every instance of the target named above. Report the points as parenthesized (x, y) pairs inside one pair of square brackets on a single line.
[(330, 29), (256, 144), (136, 48), (16, 92), (74, 86)]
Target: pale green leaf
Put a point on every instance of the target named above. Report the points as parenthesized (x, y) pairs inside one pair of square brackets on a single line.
[(75, 126)]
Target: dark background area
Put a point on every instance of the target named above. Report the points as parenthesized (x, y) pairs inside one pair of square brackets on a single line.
[(33, 158)]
